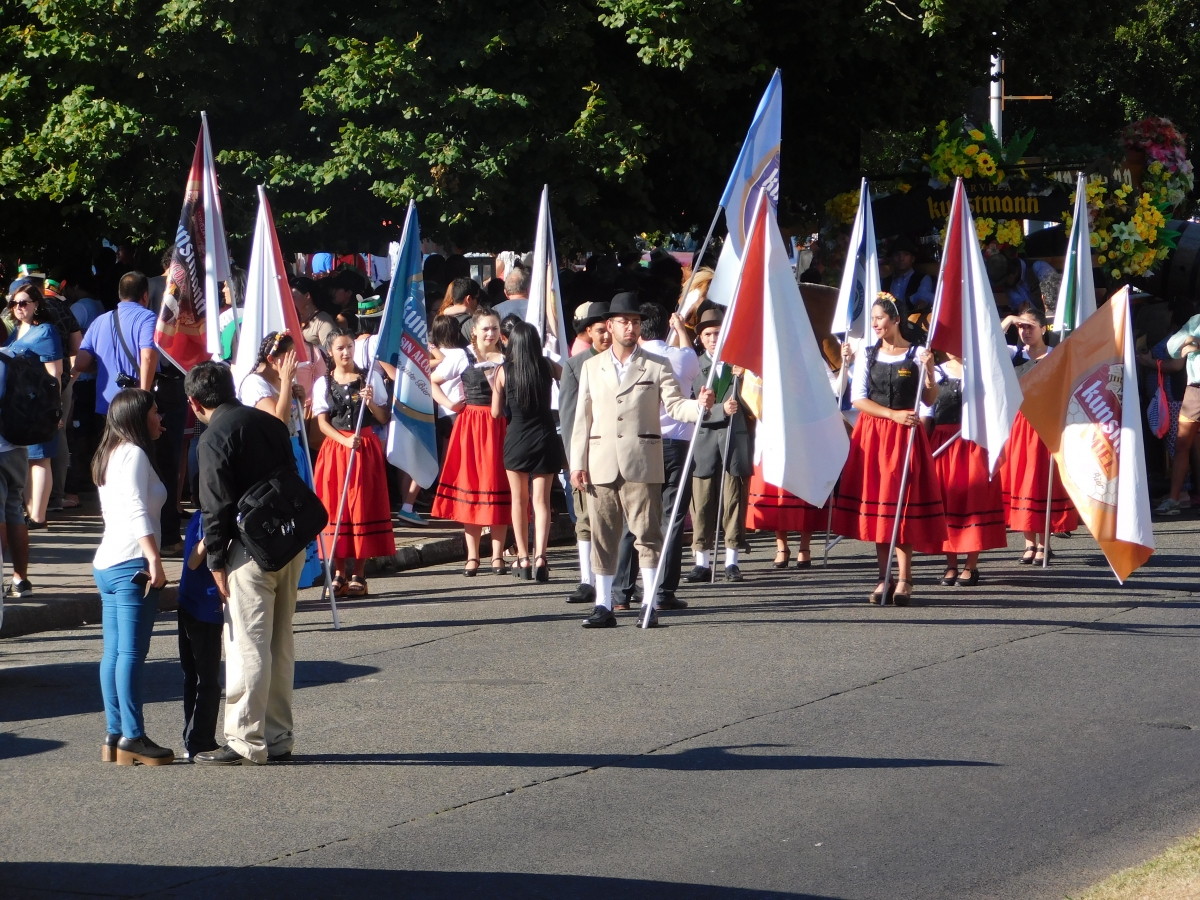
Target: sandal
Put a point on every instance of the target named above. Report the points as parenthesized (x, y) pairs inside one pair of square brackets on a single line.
[(781, 564), (878, 599), (339, 586), (357, 586), (901, 599), (523, 570), (541, 572), (71, 501), (1026, 558), (497, 566), (950, 577), (468, 572), (804, 563)]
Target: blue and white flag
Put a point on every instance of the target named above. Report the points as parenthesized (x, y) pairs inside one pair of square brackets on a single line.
[(403, 343), (860, 277), (757, 166), (756, 169)]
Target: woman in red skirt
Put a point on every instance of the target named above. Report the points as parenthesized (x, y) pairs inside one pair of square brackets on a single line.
[(971, 495), (887, 381), (366, 526), (474, 486), (1025, 472), (771, 508)]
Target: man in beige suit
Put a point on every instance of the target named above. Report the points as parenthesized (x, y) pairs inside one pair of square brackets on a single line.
[(616, 448)]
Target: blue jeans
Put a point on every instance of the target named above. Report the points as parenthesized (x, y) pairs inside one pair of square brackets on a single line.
[(128, 623)]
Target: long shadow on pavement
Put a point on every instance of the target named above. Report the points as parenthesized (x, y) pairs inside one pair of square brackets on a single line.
[(25, 881)]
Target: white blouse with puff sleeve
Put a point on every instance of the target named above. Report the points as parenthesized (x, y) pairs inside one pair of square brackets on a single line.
[(131, 500)]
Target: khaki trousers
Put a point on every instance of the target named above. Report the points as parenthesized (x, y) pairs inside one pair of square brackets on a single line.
[(611, 507), (260, 658), (583, 526), (704, 511)]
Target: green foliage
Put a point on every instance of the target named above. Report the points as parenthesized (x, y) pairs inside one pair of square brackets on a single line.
[(632, 110)]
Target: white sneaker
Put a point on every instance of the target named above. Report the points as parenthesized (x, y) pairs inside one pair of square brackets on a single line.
[(20, 589), (1168, 507)]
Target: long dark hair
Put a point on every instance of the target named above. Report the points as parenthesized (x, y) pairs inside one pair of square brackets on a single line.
[(125, 424), (274, 343), (524, 372)]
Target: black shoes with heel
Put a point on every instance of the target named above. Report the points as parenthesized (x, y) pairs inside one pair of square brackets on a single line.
[(142, 750)]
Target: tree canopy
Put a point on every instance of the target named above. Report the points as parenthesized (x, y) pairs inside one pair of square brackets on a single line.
[(632, 110)]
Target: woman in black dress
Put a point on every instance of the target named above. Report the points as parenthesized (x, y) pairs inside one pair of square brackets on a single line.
[(532, 448)]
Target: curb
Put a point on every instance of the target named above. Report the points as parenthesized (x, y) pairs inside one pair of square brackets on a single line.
[(84, 608)]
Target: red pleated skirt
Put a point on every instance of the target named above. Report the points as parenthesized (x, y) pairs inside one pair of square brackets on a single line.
[(868, 494), (366, 519), (1024, 475), (474, 487), (973, 501), (771, 508)]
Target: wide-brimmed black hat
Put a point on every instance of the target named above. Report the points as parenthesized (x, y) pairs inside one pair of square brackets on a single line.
[(903, 244), (625, 304), (710, 318), (589, 314)]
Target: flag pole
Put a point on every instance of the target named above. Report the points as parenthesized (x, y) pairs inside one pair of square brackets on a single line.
[(1049, 502), (648, 599), (687, 289), (841, 392), (912, 433), (320, 537), (721, 487)]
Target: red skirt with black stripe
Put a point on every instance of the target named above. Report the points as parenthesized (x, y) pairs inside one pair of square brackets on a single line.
[(867, 496), (771, 508), (972, 498), (1024, 475), (474, 487), (366, 519)]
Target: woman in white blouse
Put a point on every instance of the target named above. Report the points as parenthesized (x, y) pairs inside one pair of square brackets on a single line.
[(128, 570)]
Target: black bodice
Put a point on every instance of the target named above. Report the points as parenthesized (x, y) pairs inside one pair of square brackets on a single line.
[(893, 384), (947, 409), (345, 401), (477, 390)]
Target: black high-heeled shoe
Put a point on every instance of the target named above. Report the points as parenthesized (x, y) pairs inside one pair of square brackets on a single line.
[(541, 573), (950, 577), (497, 567), (1026, 558), (786, 560), (468, 572)]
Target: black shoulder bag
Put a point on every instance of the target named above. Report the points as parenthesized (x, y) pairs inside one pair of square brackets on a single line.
[(278, 517)]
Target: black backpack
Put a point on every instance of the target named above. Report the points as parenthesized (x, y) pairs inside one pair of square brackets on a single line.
[(278, 517), (31, 405)]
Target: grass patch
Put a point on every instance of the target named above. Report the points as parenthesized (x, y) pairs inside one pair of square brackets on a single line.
[(1173, 875)]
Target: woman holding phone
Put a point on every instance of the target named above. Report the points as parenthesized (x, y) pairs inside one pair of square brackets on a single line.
[(128, 570)]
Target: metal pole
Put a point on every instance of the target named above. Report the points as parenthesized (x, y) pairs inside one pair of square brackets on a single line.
[(320, 537), (649, 601), (841, 392), (887, 569), (345, 488), (700, 257), (1049, 503), (996, 95), (946, 446), (721, 487)]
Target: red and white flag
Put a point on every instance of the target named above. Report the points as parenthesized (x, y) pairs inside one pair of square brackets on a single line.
[(801, 440), (269, 305), (966, 324)]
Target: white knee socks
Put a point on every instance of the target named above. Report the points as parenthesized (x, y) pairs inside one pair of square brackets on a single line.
[(604, 590), (702, 559), (585, 563), (647, 580), (731, 556)]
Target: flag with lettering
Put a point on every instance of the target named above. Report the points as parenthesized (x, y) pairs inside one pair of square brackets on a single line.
[(403, 343), (188, 330), (1083, 402)]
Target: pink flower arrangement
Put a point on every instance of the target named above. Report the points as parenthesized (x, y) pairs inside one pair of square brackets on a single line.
[(1161, 141)]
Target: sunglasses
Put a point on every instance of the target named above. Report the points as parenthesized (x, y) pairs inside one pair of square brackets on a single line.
[(21, 303)]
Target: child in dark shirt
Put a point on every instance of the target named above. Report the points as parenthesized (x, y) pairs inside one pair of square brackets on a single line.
[(200, 622)]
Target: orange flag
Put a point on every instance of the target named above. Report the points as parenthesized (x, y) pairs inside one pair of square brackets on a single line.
[(1082, 400)]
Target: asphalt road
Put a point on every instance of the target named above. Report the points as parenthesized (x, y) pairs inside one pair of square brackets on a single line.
[(778, 739)]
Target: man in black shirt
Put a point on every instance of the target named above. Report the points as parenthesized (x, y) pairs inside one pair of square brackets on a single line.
[(240, 448)]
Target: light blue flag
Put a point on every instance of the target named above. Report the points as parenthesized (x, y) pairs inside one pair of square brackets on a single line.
[(757, 166), (403, 343)]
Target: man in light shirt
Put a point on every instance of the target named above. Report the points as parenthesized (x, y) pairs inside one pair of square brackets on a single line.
[(516, 289), (685, 365)]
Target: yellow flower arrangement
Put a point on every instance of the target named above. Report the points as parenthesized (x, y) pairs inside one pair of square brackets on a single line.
[(843, 208), (1010, 232)]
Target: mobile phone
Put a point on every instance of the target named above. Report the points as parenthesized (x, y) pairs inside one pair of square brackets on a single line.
[(141, 579)]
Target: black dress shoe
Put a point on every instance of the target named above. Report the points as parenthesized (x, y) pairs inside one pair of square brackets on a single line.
[(226, 756), (601, 617), (698, 574), (143, 750), (667, 600), (970, 580), (108, 750), (585, 593), (653, 622), (280, 757), (733, 573)]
